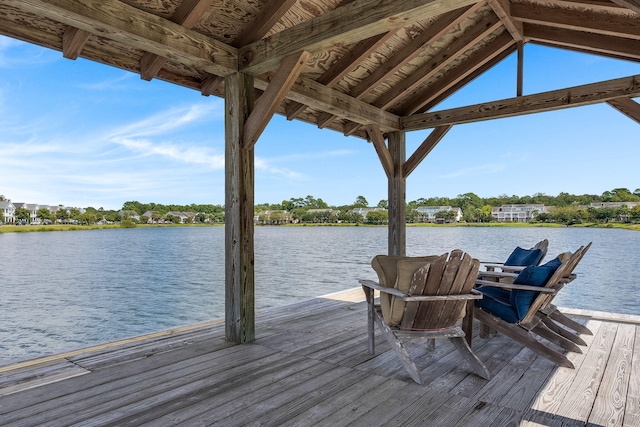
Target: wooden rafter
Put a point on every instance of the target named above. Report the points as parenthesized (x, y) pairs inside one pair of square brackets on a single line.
[(210, 84), (424, 149), (188, 14), (630, 4), (502, 9), (322, 98), (377, 138), (436, 64), (267, 104), (592, 22), (73, 41), (547, 101), (615, 47), (348, 24), (475, 65), (436, 30), (263, 22), (343, 66), (626, 106), (139, 30)]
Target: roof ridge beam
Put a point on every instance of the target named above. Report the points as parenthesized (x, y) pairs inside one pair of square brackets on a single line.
[(502, 8), (348, 24), (576, 96)]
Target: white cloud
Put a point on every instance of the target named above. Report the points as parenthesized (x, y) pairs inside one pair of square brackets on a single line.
[(477, 170), (191, 155)]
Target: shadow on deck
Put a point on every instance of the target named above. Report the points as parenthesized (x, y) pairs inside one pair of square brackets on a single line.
[(309, 367)]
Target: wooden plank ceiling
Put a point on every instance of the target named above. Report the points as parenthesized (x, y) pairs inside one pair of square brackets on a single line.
[(363, 67)]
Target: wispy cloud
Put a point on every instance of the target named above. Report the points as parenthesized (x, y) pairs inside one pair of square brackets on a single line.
[(18, 54), (476, 170), (191, 155), (114, 83)]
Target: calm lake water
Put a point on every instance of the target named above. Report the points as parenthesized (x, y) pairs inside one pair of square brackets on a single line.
[(66, 290)]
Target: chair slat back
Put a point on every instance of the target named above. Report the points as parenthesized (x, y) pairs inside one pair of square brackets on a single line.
[(453, 277)]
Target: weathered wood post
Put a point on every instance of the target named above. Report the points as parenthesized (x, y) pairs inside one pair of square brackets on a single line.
[(397, 195), (239, 201)]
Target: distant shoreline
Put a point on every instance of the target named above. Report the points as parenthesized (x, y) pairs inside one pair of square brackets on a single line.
[(51, 228)]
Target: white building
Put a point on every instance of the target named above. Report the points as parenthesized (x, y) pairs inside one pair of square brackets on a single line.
[(428, 213), (517, 212), (7, 212)]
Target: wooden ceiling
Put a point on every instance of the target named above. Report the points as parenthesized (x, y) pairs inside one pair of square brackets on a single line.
[(363, 67)]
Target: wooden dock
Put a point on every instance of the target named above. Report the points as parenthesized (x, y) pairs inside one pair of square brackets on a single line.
[(309, 367)]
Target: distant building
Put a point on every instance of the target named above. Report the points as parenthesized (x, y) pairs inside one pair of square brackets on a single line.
[(428, 213), (613, 204), (7, 212), (274, 217), (365, 211), (517, 212)]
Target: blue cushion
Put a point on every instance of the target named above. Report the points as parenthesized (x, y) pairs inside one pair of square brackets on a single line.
[(496, 301), (524, 257), (532, 276)]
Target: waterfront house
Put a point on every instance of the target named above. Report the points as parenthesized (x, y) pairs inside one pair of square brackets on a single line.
[(434, 213), (273, 217), (32, 208), (7, 212), (517, 212)]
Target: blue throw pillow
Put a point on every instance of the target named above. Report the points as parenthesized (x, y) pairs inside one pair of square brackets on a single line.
[(496, 301), (524, 257), (532, 276)]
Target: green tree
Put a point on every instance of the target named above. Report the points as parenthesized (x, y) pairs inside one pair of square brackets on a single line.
[(44, 213), (22, 214), (360, 202), (377, 217), (384, 204)]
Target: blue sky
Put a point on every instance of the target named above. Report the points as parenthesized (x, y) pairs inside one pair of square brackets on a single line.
[(81, 134)]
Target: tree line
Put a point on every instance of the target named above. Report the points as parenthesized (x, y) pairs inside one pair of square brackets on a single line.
[(565, 208)]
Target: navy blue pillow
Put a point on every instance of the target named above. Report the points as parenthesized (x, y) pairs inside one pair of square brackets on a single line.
[(532, 276), (524, 257)]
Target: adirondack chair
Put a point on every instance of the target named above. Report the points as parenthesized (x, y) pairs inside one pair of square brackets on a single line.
[(422, 297), (520, 258), (513, 309)]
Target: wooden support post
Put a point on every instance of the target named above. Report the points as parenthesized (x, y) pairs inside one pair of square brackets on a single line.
[(239, 201), (397, 196)]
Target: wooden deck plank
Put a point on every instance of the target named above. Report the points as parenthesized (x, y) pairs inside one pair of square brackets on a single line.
[(632, 407), (608, 408), (578, 402), (305, 371)]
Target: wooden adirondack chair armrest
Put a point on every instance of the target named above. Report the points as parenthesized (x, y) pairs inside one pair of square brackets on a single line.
[(510, 286), (498, 274), (378, 287), (408, 297), (491, 266)]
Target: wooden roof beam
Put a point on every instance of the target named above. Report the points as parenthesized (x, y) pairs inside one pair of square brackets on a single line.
[(458, 77), (626, 106), (424, 149), (502, 8), (139, 30), (547, 101), (440, 61), (266, 106), (377, 138), (263, 22), (348, 24), (615, 47), (592, 22), (412, 49), (629, 4), (188, 14), (210, 84), (342, 67), (322, 98), (73, 41)]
